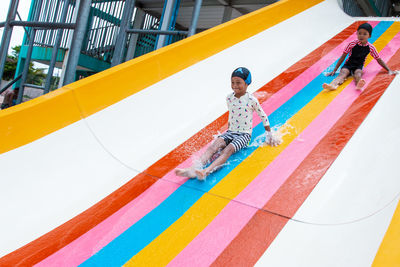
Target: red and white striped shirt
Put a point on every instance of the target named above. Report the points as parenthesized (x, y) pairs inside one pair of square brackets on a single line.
[(352, 44)]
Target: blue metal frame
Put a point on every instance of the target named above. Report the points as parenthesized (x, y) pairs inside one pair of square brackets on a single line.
[(173, 22)]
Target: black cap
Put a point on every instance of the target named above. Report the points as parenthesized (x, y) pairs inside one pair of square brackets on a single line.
[(367, 27)]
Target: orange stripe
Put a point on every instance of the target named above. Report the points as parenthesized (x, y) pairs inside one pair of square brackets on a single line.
[(262, 229), (51, 242)]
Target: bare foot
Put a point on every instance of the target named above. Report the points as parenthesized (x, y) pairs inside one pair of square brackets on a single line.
[(185, 173), (201, 174), (328, 86), (360, 85)]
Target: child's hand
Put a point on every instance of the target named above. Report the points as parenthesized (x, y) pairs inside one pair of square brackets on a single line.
[(272, 139), (393, 72), (331, 73)]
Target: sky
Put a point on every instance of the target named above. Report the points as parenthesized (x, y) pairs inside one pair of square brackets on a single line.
[(18, 32)]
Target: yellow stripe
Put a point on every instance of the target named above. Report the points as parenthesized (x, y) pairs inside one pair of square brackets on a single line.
[(33, 120), (389, 251), (174, 239)]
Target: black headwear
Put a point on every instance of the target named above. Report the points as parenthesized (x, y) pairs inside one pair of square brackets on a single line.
[(367, 27)]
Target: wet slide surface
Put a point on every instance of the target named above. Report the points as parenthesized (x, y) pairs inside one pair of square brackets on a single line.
[(239, 215)]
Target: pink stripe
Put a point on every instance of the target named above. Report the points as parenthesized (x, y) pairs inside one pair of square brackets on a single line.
[(216, 236), (95, 239), (91, 242)]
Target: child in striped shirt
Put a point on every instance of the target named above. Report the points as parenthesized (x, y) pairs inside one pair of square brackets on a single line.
[(358, 50), (241, 106)]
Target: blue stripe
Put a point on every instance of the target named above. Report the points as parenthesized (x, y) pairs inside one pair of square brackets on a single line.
[(139, 235)]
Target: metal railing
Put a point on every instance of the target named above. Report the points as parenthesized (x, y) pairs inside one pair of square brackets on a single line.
[(146, 41), (104, 23), (50, 11)]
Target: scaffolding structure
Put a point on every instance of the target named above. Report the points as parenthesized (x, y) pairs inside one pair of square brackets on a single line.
[(81, 36)]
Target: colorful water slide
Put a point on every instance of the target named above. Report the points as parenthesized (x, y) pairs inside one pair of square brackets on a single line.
[(87, 171)]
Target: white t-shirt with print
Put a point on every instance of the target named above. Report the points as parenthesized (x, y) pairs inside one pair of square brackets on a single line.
[(241, 112)]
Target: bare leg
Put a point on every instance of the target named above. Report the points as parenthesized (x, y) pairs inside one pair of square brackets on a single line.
[(360, 82), (188, 172), (344, 73), (217, 145), (226, 153)]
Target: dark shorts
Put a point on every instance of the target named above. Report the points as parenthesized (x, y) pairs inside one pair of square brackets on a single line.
[(352, 67), (237, 139)]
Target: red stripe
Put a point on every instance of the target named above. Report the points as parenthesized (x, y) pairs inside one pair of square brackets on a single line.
[(257, 235), (56, 239)]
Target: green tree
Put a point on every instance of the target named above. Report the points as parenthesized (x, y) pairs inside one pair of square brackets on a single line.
[(35, 75), (11, 64)]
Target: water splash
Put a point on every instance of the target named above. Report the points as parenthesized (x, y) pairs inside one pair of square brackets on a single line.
[(329, 70), (280, 131), (262, 95)]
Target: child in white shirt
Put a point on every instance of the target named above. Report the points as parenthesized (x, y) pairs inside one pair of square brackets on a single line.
[(241, 106)]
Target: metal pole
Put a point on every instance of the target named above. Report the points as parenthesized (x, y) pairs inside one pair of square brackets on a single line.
[(73, 14), (76, 46), (160, 32), (195, 17), (11, 83), (35, 86), (227, 14), (122, 35), (29, 54), (26, 65), (172, 23), (55, 49), (26, 31), (43, 24), (166, 19), (7, 32), (137, 24)]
